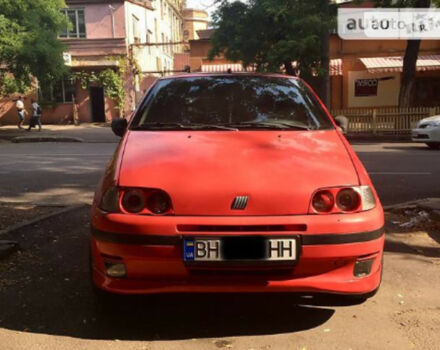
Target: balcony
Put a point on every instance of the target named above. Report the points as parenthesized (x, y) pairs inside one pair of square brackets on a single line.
[(96, 47)]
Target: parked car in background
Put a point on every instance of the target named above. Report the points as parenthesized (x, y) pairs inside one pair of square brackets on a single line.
[(428, 131), (235, 183)]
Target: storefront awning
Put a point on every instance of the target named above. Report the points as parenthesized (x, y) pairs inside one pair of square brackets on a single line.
[(335, 67), (395, 63)]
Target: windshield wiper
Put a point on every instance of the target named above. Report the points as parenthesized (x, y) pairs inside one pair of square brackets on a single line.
[(270, 125), (213, 126), (161, 125)]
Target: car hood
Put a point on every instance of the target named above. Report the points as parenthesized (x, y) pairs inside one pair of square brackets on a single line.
[(435, 118), (203, 171)]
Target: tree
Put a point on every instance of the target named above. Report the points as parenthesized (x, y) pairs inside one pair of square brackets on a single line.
[(273, 34), (407, 84), (29, 45)]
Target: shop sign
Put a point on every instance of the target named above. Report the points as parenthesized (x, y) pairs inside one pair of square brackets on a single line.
[(365, 87)]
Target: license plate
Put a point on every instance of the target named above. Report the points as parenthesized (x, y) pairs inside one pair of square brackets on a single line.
[(240, 249)]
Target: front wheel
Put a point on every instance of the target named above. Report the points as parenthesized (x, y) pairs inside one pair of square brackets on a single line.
[(433, 145)]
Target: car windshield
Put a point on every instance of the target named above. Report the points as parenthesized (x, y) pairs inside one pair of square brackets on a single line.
[(231, 103)]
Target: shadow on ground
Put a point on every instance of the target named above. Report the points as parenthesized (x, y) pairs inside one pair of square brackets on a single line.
[(46, 289)]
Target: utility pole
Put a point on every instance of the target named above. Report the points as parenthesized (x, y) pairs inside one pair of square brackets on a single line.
[(324, 88)]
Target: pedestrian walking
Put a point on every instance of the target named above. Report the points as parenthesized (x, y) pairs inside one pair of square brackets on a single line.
[(21, 112), (36, 116)]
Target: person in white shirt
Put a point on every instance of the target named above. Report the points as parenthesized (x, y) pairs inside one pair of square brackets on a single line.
[(21, 112), (36, 115)]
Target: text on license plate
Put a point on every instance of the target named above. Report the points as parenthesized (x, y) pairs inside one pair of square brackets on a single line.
[(240, 248)]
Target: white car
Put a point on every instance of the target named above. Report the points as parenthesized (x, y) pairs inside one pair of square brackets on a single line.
[(428, 131)]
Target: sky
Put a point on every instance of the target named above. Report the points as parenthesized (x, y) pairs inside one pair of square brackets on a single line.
[(207, 5)]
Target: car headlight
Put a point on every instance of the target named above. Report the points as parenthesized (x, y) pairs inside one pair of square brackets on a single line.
[(428, 124), (433, 124)]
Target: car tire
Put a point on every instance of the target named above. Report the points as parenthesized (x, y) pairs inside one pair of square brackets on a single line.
[(433, 145)]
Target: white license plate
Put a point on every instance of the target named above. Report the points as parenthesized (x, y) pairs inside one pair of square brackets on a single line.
[(241, 249)]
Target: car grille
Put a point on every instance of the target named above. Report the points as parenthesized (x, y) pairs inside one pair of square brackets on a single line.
[(421, 136)]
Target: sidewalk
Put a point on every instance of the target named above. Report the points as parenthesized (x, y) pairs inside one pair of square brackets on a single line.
[(89, 133)]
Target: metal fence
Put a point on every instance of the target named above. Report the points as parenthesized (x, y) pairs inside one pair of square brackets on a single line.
[(391, 121)]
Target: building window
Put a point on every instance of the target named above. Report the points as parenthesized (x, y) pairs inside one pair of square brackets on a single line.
[(158, 64), (77, 19), (136, 31), (156, 31), (60, 92)]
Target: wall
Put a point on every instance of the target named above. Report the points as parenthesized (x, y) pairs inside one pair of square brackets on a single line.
[(160, 57), (387, 91), (194, 20), (98, 20), (336, 98), (60, 113), (199, 52), (8, 112)]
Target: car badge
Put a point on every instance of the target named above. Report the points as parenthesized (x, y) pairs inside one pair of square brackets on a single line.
[(239, 202)]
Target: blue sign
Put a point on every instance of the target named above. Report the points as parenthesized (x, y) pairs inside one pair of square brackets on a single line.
[(188, 249)]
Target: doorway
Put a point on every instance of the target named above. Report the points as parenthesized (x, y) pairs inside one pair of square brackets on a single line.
[(97, 104)]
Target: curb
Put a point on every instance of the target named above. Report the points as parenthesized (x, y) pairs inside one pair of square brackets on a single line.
[(40, 218), (422, 204), (23, 139), (378, 138)]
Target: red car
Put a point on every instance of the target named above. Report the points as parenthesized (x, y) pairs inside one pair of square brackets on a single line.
[(235, 183)]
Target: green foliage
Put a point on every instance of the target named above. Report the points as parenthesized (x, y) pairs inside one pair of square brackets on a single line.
[(404, 3), (28, 43), (112, 81), (270, 34)]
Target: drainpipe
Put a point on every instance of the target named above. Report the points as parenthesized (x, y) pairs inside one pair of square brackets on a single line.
[(112, 19)]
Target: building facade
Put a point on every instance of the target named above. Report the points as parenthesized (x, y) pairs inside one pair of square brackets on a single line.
[(363, 73), (193, 21), (135, 39)]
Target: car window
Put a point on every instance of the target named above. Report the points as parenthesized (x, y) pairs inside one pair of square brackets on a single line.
[(243, 102)]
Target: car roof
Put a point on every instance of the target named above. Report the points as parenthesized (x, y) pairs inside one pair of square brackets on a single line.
[(222, 74)]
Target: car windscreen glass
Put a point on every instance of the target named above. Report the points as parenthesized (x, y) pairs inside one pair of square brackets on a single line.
[(236, 102)]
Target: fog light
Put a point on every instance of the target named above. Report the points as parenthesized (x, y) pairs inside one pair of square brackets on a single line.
[(115, 269), (362, 268)]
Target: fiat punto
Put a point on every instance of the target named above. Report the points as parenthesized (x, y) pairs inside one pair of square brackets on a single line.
[(235, 183)]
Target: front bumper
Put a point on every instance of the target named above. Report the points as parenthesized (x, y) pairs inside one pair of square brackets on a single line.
[(426, 135), (151, 249)]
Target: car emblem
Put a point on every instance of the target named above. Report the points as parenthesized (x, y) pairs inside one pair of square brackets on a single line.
[(239, 202)]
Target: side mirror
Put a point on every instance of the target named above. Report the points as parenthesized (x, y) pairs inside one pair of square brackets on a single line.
[(119, 126), (342, 122)]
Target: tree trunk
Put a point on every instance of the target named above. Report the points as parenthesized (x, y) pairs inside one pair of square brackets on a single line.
[(406, 93), (324, 85), (289, 68)]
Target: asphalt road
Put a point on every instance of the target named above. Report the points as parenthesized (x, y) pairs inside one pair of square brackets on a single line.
[(68, 172)]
